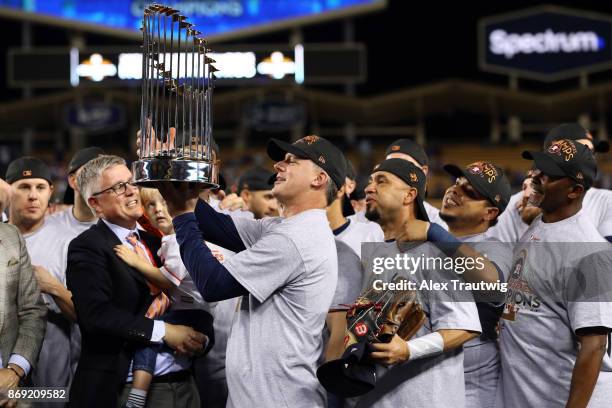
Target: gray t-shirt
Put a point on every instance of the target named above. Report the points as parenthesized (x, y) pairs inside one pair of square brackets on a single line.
[(500, 254), (357, 232), (350, 276), (48, 246), (359, 217), (538, 342), (290, 270), (510, 227), (212, 367), (597, 204), (429, 382), (71, 227)]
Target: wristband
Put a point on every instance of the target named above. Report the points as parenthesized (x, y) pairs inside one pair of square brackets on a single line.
[(444, 240), (430, 344)]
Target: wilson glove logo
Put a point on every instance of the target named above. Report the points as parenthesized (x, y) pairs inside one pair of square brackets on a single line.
[(361, 329)]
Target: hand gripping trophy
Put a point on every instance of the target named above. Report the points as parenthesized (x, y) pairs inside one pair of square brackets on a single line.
[(176, 108)]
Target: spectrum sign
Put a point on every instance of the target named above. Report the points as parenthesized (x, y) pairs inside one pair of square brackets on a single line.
[(545, 43)]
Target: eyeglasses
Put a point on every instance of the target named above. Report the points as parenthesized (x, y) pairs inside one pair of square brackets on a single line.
[(119, 188)]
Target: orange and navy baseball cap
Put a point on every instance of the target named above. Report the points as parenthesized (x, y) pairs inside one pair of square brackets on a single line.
[(486, 178), (566, 158), (27, 167), (410, 174), (573, 131), (409, 147), (321, 151)]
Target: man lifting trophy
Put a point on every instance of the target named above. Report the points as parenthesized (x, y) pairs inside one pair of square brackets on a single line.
[(176, 110)]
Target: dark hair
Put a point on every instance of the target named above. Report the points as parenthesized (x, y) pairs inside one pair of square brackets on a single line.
[(493, 223), (331, 191)]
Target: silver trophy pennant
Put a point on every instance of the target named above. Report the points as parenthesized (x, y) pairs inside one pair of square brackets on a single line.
[(176, 108)]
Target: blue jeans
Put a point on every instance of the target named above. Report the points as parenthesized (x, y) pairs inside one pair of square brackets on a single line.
[(199, 320)]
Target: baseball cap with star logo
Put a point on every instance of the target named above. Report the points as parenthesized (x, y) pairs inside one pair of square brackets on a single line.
[(410, 174), (573, 131), (486, 178), (321, 151), (566, 158)]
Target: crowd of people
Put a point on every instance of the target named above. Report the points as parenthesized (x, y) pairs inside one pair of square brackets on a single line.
[(180, 297)]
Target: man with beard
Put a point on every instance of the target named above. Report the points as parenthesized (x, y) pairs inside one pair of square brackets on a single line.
[(554, 345), (408, 149), (470, 208), (347, 230), (432, 361)]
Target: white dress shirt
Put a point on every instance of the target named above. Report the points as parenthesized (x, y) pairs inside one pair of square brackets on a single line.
[(166, 362), (159, 328)]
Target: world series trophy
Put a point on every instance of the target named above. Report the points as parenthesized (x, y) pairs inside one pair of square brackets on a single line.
[(176, 109)]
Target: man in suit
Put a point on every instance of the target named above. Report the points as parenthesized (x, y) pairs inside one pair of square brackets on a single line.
[(22, 313), (110, 297), (47, 244)]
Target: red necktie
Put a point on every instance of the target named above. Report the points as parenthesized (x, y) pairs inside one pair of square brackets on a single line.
[(161, 302)]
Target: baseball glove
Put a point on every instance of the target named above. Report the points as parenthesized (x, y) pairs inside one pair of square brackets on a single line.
[(376, 316)]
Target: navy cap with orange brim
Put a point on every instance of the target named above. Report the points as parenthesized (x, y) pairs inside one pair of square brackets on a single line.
[(317, 149), (486, 178), (410, 174), (566, 158), (574, 131)]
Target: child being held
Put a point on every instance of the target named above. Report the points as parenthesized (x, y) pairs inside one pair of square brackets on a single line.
[(187, 305)]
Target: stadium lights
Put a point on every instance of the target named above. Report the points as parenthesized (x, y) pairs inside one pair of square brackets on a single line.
[(232, 65)]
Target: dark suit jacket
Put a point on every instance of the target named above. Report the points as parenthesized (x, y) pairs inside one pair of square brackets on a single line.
[(111, 300)]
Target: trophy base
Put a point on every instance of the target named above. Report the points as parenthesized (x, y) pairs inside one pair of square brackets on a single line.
[(148, 172)]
